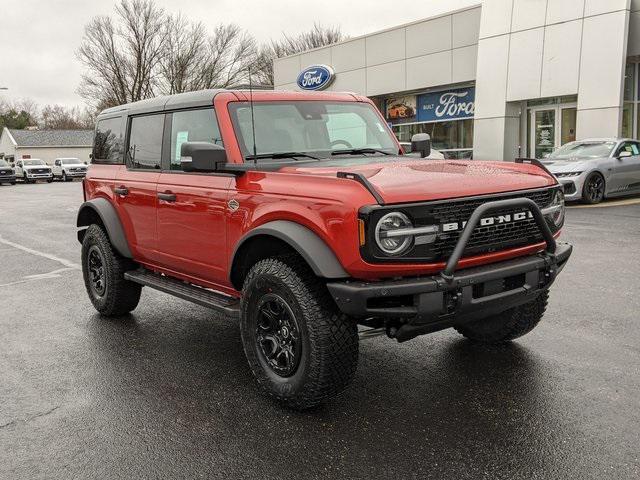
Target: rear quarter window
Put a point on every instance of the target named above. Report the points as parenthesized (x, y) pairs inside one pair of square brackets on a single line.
[(108, 142)]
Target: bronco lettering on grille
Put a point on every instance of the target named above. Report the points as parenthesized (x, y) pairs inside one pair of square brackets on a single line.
[(488, 221)]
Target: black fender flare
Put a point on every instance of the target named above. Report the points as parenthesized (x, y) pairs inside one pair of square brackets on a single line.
[(307, 243), (109, 217)]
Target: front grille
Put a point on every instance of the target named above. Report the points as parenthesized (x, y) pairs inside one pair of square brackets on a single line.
[(5, 172), (39, 170), (485, 239), (488, 238)]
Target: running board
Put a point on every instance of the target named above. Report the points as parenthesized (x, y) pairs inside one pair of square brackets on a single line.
[(186, 291)]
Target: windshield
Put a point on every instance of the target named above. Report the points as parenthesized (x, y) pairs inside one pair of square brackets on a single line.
[(581, 150), (311, 127), (32, 162), (69, 161), (3, 163)]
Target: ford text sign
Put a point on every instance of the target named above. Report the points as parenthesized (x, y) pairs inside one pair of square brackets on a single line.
[(447, 105), (315, 77)]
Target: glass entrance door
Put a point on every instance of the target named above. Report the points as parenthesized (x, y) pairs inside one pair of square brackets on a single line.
[(543, 132), (550, 128), (568, 125)]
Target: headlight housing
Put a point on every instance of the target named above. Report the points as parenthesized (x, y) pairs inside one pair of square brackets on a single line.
[(390, 233), (555, 211), (567, 174)]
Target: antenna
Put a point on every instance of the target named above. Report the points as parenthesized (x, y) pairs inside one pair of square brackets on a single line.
[(253, 121)]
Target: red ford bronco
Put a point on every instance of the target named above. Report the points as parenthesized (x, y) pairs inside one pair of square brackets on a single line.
[(300, 214)]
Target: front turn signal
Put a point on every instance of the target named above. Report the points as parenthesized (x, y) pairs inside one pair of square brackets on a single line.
[(361, 232)]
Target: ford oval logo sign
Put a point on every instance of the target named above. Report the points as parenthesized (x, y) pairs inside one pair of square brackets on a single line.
[(316, 77)]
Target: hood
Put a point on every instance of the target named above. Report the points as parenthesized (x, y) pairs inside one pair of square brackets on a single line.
[(402, 181), (562, 166)]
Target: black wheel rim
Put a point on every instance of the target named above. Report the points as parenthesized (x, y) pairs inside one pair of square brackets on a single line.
[(595, 188), (278, 335), (97, 274)]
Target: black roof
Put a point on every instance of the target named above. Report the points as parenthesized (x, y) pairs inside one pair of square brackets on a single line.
[(52, 138)]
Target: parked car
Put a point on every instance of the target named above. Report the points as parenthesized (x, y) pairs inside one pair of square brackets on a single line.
[(598, 168), (7, 174), (31, 170), (67, 169), (307, 223)]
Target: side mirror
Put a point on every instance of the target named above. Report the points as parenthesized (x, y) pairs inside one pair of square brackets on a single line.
[(625, 154), (202, 157), (421, 143)]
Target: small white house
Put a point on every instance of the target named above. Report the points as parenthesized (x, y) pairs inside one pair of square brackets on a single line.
[(46, 145)]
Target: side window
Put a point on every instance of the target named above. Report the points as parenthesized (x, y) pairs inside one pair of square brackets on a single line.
[(192, 126), (107, 144), (145, 142), (631, 147)]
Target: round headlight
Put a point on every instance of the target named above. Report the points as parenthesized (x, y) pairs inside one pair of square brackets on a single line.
[(557, 216), (389, 235)]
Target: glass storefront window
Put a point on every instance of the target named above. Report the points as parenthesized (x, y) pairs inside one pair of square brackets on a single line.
[(456, 135), (627, 120), (630, 82)]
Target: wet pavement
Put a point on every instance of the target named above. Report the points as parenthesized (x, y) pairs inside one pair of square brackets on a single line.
[(166, 392)]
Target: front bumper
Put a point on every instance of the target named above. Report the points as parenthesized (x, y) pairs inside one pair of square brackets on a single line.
[(39, 176), (428, 304), (7, 178), (572, 188), (433, 303)]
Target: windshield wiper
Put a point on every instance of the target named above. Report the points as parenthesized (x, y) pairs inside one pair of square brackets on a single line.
[(277, 155), (358, 151)]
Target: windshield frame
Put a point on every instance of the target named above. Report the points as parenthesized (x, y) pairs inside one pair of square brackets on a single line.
[(70, 161), (323, 154), (41, 164), (583, 143)]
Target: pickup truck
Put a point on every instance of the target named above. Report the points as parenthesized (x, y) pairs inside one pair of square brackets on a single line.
[(300, 214)]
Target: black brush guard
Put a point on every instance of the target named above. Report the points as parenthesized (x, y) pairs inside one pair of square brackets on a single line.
[(429, 304)]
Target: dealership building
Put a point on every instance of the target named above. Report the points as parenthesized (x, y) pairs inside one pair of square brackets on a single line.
[(500, 80)]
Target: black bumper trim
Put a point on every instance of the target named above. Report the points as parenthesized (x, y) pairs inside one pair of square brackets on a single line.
[(441, 303)]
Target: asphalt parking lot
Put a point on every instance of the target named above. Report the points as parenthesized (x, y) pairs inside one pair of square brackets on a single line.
[(167, 393)]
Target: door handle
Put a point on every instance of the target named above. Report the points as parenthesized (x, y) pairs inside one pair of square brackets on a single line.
[(167, 196), (121, 190)]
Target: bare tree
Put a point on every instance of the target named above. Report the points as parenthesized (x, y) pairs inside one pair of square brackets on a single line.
[(121, 57), (58, 117), (231, 52), (193, 61), (318, 36), (183, 56)]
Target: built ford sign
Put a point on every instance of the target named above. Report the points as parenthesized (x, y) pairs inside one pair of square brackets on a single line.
[(315, 77), (446, 105)]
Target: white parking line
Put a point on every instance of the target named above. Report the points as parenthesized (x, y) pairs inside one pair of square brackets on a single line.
[(66, 263), (39, 276)]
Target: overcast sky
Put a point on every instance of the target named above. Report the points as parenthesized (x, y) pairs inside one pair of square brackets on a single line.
[(40, 37)]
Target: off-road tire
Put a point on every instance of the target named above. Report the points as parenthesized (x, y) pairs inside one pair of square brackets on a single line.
[(508, 325), (121, 296), (329, 339)]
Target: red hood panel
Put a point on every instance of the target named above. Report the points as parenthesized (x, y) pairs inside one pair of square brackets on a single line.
[(408, 181)]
